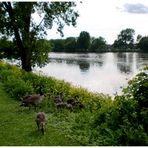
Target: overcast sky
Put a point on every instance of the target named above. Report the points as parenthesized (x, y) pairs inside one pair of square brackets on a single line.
[(107, 18)]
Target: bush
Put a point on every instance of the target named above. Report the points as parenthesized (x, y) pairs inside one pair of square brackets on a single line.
[(17, 88), (123, 121), (138, 89)]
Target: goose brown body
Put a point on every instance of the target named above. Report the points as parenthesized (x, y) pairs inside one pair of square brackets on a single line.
[(40, 121), (32, 100)]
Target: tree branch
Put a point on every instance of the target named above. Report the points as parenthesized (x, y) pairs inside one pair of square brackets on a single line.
[(40, 22), (15, 28)]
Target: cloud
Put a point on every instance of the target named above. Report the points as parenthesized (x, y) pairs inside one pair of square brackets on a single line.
[(136, 8)]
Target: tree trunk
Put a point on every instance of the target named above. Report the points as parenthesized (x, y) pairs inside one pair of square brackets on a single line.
[(25, 51), (26, 18), (26, 59)]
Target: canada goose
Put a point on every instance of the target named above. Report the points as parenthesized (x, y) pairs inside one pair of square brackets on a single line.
[(32, 100), (40, 121)]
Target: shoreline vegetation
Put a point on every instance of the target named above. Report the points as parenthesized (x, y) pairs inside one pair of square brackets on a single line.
[(84, 43), (103, 121)]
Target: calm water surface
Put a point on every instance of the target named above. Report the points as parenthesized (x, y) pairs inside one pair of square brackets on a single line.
[(106, 72)]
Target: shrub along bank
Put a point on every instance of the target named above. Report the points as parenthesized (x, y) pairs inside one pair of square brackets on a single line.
[(102, 121)]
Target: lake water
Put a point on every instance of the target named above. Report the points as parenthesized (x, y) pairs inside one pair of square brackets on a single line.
[(104, 72)]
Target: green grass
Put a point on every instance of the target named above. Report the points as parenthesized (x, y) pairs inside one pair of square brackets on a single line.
[(18, 128)]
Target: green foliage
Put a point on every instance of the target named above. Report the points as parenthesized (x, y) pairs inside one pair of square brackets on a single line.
[(70, 44), (125, 39), (17, 88), (138, 89), (40, 52), (7, 49), (14, 85), (54, 12), (83, 41), (98, 45), (16, 21), (121, 122), (58, 45), (143, 44)]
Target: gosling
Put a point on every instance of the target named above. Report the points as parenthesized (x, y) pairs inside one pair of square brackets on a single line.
[(40, 121)]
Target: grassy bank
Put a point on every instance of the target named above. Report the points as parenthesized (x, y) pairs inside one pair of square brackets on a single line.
[(102, 121), (18, 126)]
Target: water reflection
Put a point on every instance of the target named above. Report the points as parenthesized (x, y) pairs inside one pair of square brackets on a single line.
[(124, 62), (141, 59), (82, 60), (105, 72), (84, 66)]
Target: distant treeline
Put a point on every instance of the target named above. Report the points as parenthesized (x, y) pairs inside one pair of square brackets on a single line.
[(80, 44), (83, 43)]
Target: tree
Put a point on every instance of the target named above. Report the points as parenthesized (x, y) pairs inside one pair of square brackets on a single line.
[(58, 45), (7, 49), (70, 44), (16, 20), (98, 45), (143, 44), (125, 39), (83, 41)]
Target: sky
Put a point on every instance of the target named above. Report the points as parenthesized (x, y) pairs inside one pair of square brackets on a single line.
[(107, 18)]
